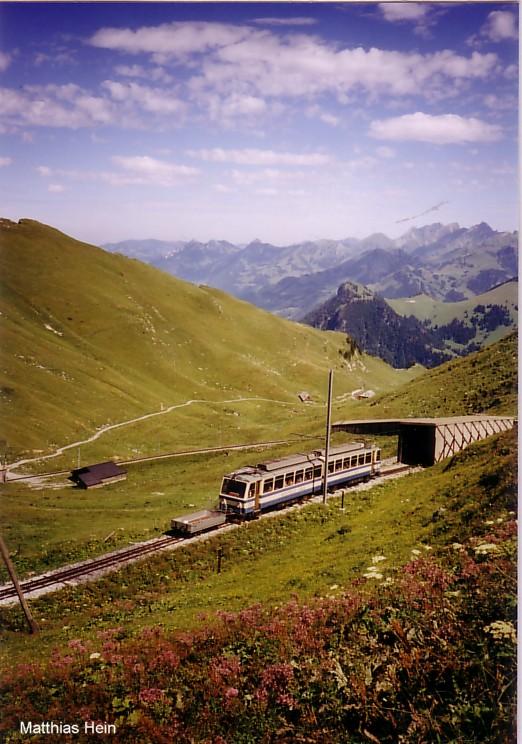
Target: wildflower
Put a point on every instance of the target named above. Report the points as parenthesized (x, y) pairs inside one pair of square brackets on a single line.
[(427, 547), (378, 558), (77, 645), (489, 521), (372, 575), (334, 586), (232, 692), (415, 552), (457, 546), (95, 655), (485, 548), (151, 695), (501, 631)]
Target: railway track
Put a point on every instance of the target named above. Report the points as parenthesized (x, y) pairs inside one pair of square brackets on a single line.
[(80, 571), (94, 568)]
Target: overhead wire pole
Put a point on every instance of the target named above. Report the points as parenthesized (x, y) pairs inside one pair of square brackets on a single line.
[(33, 626), (327, 442)]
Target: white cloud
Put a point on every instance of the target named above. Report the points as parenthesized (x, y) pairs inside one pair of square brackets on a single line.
[(4, 162), (5, 61), (54, 106), (56, 188), (303, 66), (242, 61), (170, 40), (298, 21), (443, 129), (44, 171), (248, 177), (500, 103), (404, 11), (144, 169), (156, 74), (260, 157), (500, 25), (152, 100)]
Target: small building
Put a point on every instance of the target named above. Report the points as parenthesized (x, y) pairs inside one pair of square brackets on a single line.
[(95, 476), (304, 397)]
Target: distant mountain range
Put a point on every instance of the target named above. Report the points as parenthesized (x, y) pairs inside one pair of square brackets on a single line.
[(445, 262)]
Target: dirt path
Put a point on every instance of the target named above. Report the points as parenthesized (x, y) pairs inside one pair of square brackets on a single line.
[(11, 469)]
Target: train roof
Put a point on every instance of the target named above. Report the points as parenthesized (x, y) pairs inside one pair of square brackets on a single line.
[(340, 449), (290, 461), (301, 459)]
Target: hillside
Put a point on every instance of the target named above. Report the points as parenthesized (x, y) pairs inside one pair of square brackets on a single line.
[(490, 315), (377, 328), (392, 617), (483, 382), (432, 333), (91, 338)]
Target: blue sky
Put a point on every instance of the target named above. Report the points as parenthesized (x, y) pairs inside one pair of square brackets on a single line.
[(279, 121)]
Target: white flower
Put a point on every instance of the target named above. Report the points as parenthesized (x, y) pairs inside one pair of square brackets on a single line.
[(489, 522), (378, 558), (415, 552), (502, 631), (95, 655), (372, 575), (485, 548), (334, 586), (427, 547), (457, 546)]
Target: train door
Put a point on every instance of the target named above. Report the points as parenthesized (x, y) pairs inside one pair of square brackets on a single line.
[(257, 487)]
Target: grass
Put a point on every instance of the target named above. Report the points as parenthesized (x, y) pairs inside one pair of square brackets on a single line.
[(56, 524), (305, 553), (441, 313), (106, 338)]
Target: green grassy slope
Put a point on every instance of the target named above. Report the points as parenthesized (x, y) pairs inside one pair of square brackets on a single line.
[(440, 313), (91, 338), (483, 382)]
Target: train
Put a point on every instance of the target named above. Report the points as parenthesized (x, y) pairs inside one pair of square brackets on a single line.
[(249, 491)]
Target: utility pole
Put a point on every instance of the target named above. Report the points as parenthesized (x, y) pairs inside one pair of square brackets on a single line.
[(327, 443), (33, 626)]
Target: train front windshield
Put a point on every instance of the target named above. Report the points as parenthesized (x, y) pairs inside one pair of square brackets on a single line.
[(233, 487)]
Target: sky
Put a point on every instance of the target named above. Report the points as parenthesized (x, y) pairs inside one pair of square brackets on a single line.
[(275, 121)]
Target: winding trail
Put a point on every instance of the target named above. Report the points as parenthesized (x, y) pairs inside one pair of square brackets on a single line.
[(109, 427)]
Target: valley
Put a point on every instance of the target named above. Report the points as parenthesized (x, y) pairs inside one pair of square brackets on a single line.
[(183, 366)]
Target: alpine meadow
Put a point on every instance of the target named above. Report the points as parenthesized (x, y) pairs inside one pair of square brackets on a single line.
[(258, 380)]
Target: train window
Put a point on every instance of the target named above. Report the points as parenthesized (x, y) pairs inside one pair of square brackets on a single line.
[(317, 471), (252, 491), (299, 475), (289, 479), (368, 457), (354, 461), (330, 467), (346, 463), (378, 455), (234, 487), (338, 465), (278, 482), (268, 485), (361, 459), (309, 473)]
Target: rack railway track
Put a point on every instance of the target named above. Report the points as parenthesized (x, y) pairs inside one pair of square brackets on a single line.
[(94, 568)]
